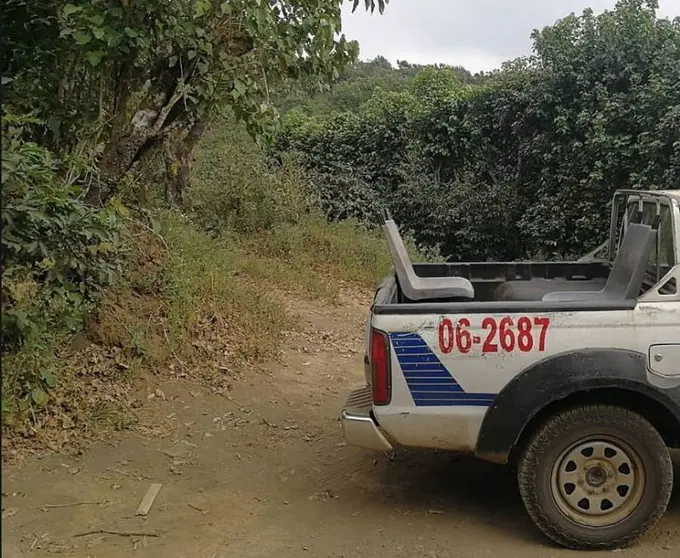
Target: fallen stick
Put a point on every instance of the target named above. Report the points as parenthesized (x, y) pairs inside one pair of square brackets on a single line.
[(71, 504), (149, 497), (197, 508), (120, 533)]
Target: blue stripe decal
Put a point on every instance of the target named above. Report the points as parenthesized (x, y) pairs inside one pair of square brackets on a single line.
[(421, 366), (479, 403), (421, 381), (420, 350), (429, 381), (403, 342), (442, 375), (418, 359), (438, 388), (409, 340)]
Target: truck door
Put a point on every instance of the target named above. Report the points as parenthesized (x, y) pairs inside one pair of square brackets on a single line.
[(663, 355)]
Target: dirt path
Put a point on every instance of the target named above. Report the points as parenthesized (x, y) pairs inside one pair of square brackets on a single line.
[(266, 473)]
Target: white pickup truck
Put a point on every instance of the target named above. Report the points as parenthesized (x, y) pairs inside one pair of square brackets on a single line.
[(568, 370)]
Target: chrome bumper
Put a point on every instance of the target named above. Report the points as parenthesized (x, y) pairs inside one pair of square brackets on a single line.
[(358, 425)]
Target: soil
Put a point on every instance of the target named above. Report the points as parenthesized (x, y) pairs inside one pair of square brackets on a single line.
[(263, 471)]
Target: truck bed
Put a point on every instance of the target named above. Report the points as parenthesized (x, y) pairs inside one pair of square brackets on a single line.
[(521, 281), (503, 287), (507, 286)]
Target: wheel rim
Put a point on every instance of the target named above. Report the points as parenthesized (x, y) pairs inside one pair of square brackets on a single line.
[(598, 481)]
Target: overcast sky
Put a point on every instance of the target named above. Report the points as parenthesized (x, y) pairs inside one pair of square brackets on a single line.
[(476, 34)]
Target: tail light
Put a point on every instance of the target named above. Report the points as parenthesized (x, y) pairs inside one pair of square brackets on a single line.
[(380, 368)]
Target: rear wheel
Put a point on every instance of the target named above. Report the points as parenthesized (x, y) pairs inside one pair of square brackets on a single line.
[(596, 477)]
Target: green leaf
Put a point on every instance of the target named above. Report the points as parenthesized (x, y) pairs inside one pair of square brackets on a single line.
[(94, 57), (70, 9), (98, 32), (49, 378), (82, 38), (173, 60), (239, 86), (6, 404), (192, 54), (131, 32), (38, 396)]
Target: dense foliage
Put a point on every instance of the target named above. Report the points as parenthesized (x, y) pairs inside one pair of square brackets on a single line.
[(358, 83), (58, 254), (119, 79), (523, 164), (97, 91)]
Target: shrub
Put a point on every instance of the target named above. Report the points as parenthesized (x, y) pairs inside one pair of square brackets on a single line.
[(58, 254), (233, 189)]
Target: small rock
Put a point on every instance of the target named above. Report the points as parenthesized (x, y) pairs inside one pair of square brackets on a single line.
[(179, 449)]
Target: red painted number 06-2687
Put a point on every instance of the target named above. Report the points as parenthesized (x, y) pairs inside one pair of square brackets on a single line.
[(507, 335)]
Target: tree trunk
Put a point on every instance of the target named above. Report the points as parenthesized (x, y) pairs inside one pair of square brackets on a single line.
[(146, 123), (153, 119), (123, 91), (178, 154)]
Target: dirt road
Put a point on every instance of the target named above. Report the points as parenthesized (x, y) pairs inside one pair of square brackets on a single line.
[(266, 474)]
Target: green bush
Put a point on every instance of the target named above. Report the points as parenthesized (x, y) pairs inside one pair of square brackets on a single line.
[(233, 189), (524, 164), (57, 256)]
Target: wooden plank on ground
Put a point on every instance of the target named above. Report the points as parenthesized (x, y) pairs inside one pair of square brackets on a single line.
[(149, 497)]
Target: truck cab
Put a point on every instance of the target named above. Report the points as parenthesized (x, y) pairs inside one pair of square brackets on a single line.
[(569, 370)]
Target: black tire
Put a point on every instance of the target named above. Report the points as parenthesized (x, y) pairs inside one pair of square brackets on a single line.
[(581, 444)]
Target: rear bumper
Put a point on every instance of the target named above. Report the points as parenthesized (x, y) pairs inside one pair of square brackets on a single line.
[(358, 425)]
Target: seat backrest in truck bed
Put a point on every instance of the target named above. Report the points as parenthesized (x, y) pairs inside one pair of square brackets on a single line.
[(413, 286), (628, 270)]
